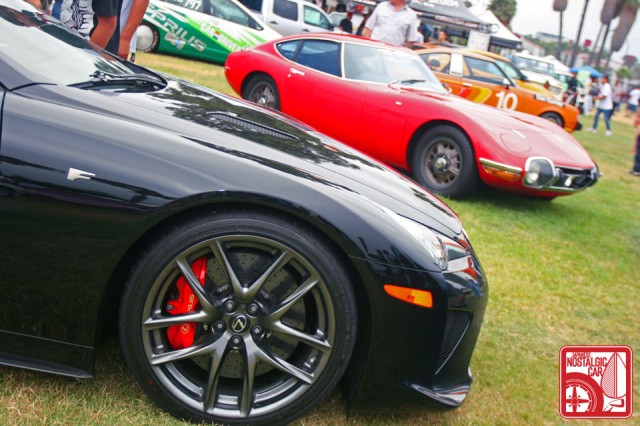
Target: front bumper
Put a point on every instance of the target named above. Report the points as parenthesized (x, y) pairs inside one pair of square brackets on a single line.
[(566, 179), (409, 352)]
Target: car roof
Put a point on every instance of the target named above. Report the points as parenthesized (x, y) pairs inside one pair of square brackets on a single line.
[(340, 38), (488, 54), (465, 52)]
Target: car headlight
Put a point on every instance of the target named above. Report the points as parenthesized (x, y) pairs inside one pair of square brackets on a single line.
[(441, 248), (539, 172)]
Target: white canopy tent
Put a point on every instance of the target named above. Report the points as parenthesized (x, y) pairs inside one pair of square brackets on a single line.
[(503, 37)]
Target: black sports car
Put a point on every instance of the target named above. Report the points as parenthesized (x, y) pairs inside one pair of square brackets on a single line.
[(249, 263)]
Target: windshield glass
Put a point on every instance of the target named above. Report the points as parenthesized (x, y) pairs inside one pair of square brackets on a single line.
[(510, 70), (533, 65), (48, 51), (382, 65)]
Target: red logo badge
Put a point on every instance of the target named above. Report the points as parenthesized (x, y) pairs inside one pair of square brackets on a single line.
[(596, 382)]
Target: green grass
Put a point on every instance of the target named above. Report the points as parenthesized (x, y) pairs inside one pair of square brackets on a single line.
[(561, 272)]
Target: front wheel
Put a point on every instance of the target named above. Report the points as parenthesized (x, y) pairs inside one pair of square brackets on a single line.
[(148, 38), (554, 118), (444, 163), (263, 91), (239, 318)]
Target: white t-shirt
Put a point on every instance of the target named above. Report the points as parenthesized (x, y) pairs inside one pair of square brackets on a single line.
[(393, 26), (634, 97), (606, 103)]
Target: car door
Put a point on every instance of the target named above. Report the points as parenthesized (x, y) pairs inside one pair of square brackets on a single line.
[(493, 87), (317, 94), (285, 17)]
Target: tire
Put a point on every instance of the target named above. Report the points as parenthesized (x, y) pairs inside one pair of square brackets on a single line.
[(265, 354), (554, 118), (444, 163), (579, 389), (148, 38), (263, 91)]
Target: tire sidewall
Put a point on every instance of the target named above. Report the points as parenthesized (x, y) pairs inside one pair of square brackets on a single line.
[(262, 79)]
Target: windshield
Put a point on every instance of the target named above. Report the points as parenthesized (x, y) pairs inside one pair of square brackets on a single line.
[(530, 64), (509, 69), (48, 51), (383, 65)]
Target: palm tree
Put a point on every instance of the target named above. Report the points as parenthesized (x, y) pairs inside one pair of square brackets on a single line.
[(560, 6), (574, 53), (610, 10), (627, 18), (504, 10)]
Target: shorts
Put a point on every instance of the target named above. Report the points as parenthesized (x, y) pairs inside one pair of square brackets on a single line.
[(632, 108), (106, 7)]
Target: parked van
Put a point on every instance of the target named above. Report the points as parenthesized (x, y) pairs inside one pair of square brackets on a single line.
[(290, 16)]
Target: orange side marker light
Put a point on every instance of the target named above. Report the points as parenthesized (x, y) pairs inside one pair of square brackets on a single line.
[(410, 295)]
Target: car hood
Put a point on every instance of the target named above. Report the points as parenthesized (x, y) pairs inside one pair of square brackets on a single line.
[(522, 135), (200, 115)]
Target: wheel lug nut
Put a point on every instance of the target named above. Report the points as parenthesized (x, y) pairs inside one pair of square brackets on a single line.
[(256, 330), (219, 325), (236, 340), (253, 308), (229, 306)]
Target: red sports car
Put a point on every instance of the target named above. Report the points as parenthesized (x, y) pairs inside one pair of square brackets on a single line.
[(384, 101)]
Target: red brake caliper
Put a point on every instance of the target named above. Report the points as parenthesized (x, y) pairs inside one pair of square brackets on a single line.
[(181, 336)]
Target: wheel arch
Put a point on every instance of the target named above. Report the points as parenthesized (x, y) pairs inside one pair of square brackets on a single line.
[(108, 317)]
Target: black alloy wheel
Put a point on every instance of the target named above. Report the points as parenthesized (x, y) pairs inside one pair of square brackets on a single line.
[(238, 318), (263, 91), (444, 163)]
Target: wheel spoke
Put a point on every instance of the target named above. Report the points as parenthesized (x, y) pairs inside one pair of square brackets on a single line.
[(250, 361), (249, 293), (218, 252), (194, 284), (313, 341), (284, 366), (210, 391), (167, 321), (182, 354), (294, 297)]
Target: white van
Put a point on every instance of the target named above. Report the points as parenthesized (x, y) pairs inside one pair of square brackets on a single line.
[(290, 16)]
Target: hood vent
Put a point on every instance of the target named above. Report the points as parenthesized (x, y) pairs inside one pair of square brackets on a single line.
[(250, 125)]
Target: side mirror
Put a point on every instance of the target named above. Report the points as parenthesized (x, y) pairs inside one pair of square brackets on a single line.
[(506, 83)]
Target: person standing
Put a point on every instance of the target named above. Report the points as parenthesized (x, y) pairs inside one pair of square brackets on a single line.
[(618, 91), (346, 26), (394, 22), (634, 100), (605, 105)]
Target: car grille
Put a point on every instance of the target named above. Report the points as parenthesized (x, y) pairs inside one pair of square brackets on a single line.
[(575, 179), (250, 125), (457, 325)]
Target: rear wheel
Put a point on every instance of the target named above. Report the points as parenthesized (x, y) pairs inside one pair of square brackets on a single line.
[(147, 38), (554, 118), (263, 91), (444, 163), (241, 318)]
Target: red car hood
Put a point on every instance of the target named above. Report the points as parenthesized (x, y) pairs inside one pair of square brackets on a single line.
[(522, 135)]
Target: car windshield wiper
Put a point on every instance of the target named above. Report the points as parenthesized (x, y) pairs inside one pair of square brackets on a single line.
[(100, 79), (409, 81)]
